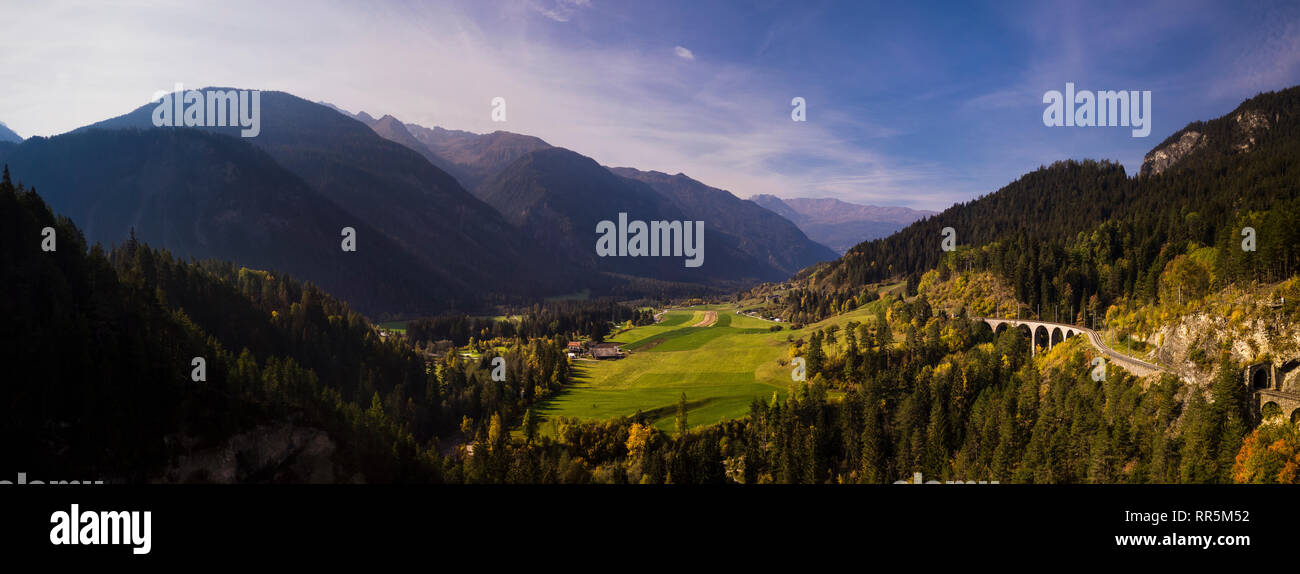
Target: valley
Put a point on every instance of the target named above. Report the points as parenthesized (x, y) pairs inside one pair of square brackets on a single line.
[(769, 360), (721, 367), (400, 281)]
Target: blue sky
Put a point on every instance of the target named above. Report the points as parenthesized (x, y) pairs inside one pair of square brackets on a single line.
[(909, 103)]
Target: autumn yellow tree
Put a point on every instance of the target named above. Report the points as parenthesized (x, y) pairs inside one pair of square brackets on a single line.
[(1270, 454), (1184, 279), (498, 435), (638, 440)]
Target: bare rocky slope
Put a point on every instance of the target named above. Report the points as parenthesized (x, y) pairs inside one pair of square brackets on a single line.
[(1237, 132)]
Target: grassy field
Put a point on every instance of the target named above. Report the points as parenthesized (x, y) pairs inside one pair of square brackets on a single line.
[(398, 326), (721, 368)]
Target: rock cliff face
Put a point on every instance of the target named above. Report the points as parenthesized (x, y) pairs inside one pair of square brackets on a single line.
[(1244, 128), (1162, 158), (1252, 124), (1250, 334), (282, 452)]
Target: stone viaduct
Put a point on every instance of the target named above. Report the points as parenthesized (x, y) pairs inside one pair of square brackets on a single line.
[(1263, 379), (1265, 382), (1047, 334)]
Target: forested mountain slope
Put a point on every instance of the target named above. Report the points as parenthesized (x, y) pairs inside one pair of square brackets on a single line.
[(109, 341), (1075, 237), (395, 190), (205, 195)]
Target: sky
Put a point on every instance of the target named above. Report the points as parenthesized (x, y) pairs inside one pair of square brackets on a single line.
[(915, 104)]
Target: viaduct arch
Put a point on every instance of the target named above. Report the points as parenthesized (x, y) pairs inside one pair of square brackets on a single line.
[(1265, 382), (1048, 334), (1263, 379)]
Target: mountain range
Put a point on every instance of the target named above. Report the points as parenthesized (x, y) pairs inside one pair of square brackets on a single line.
[(557, 194), (766, 236), (207, 196), (839, 224), (473, 158), (448, 248), (444, 219), (1077, 236)]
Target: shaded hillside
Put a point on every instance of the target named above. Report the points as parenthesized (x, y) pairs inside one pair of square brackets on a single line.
[(205, 195), (8, 135), (113, 336), (766, 237), (393, 130), (474, 158), (557, 197), (776, 247), (395, 190)]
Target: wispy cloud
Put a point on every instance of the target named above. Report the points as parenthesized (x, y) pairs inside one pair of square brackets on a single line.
[(558, 10), (1005, 98), (726, 124), (922, 125), (1264, 60)]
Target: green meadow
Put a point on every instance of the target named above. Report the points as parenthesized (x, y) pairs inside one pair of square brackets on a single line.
[(721, 368), (397, 326)]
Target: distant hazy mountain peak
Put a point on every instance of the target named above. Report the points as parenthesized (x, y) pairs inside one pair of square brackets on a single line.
[(776, 205), (335, 108), (390, 123), (767, 237), (840, 224), (8, 135), (558, 196)]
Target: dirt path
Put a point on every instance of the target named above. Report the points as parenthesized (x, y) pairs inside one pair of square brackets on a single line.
[(710, 317)]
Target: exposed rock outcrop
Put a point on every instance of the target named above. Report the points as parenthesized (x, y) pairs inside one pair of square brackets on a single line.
[(1244, 131), (281, 452), (1252, 124), (1162, 158), (1192, 344)]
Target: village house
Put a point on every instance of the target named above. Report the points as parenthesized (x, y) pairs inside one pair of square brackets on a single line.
[(574, 349), (606, 351)]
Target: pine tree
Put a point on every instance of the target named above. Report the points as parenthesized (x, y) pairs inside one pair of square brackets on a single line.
[(814, 354), (851, 354), (530, 426), (873, 442), (681, 415)]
